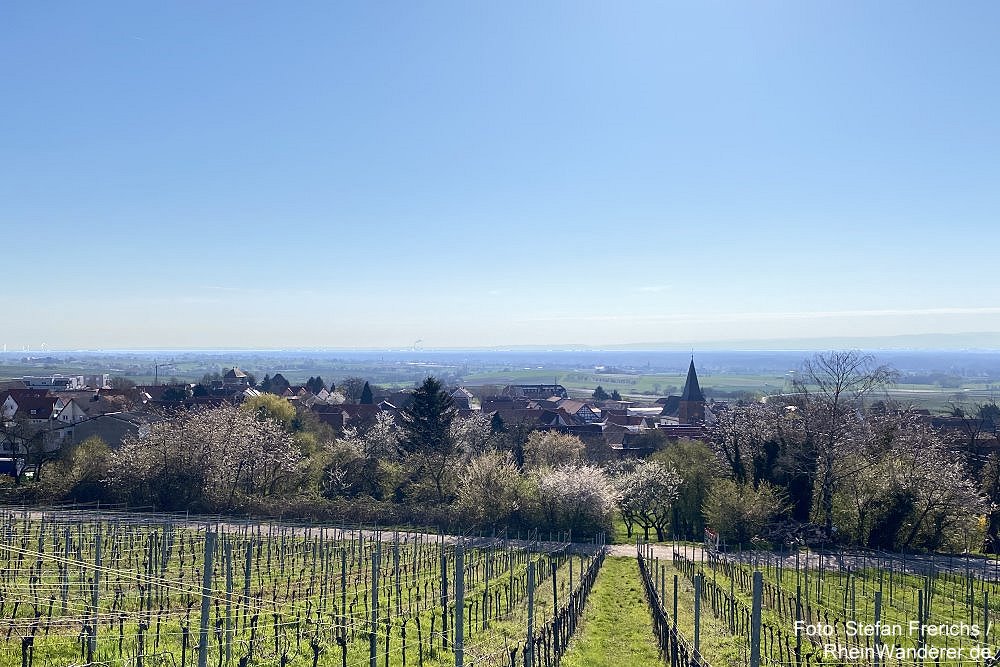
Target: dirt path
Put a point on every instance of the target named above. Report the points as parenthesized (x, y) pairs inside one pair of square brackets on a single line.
[(923, 564)]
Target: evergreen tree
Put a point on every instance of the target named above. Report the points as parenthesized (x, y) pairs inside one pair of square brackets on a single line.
[(427, 420), (427, 433), (366, 395), (315, 384), (600, 394), (265, 384), (615, 396), (174, 393), (497, 424)]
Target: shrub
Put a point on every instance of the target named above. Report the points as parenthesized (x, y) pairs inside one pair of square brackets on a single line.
[(740, 512)]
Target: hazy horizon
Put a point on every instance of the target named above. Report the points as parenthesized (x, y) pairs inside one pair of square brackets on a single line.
[(962, 342)]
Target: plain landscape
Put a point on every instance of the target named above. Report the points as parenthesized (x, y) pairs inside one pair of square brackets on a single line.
[(499, 334)]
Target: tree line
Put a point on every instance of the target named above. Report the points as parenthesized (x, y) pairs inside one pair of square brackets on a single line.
[(832, 460)]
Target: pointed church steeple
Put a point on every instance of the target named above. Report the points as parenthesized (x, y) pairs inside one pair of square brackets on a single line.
[(692, 390), (691, 409)]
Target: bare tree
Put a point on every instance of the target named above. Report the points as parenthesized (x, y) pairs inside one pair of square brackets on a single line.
[(832, 387), (739, 434), (28, 442)]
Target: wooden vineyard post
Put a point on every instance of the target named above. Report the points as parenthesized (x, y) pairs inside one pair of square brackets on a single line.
[(343, 606), (529, 646), (920, 615), (395, 575), (697, 615), (758, 590), (510, 570), (986, 611), (229, 602), (878, 622), (95, 596), (486, 594), (206, 598), (459, 605), (373, 639), (571, 575), (444, 600), (555, 591), (65, 573), (798, 618), (246, 580), (675, 602)]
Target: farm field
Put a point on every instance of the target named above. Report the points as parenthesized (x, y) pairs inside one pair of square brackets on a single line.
[(648, 387), (652, 385)]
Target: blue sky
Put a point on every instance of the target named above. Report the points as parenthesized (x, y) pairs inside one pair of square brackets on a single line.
[(477, 174)]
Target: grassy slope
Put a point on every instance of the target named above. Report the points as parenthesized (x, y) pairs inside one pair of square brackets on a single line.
[(616, 628)]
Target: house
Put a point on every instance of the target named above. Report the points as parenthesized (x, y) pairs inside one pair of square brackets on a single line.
[(33, 416), (347, 414), (8, 406), (674, 432), (94, 403), (462, 398), (578, 409), (671, 404), (115, 428), (493, 403), (35, 410), (537, 391), (235, 379), (68, 411), (54, 382)]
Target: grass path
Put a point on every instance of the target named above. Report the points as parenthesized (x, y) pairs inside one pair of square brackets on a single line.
[(616, 629)]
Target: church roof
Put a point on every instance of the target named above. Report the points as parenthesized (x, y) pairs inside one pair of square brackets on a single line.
[(692, 391)]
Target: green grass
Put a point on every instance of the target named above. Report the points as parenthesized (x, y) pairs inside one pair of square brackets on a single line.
[(619, 533), (616, 628), (649, 386)]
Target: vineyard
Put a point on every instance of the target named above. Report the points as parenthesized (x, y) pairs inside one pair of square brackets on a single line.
[(79, 588), (82, 588), (873, 609)]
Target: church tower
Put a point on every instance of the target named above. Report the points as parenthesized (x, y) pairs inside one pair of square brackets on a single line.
[(692, 406)]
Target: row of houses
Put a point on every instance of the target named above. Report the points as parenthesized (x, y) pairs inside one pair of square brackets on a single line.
[(48, 414), (618, 425), (44, 421)]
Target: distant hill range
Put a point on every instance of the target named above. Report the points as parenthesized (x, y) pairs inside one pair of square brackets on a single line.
[(986, 341)]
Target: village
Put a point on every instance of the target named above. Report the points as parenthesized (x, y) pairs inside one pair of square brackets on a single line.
[(42, 415)]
